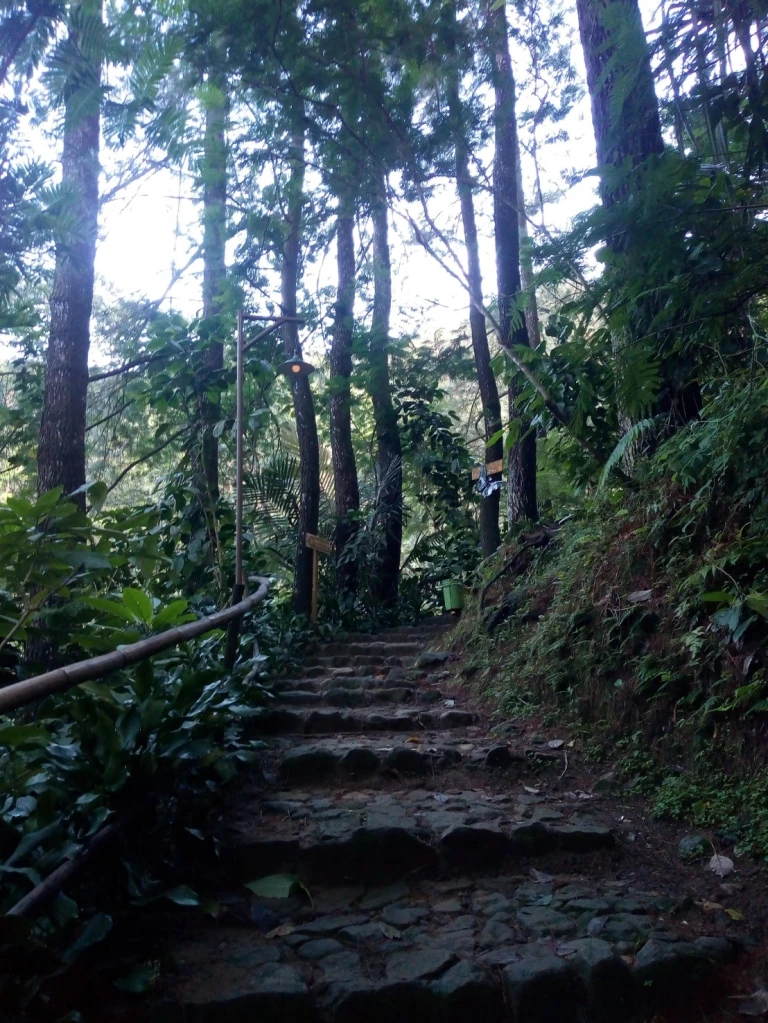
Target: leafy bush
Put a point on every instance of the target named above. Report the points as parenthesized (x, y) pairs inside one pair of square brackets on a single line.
[(649, 614), (170, 727)]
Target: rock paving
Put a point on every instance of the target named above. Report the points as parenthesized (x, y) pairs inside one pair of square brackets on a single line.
[(434, 877)]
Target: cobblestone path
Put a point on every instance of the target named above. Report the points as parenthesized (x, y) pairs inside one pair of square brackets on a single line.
[(443, 873)]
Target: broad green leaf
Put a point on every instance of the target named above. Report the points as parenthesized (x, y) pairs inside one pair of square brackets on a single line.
[(47, 502), (183, 896), (139, 604), (97, 928), (97, 494), (112, 607), (20, 735), (277, 886), (717, 597), (85, 559), (758, 602), (174, 613), (64, 909)]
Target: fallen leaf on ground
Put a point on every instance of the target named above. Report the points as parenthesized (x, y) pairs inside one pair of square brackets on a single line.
[(413, 738), (709, 907), (735, 914), (389, 931), (278, 886), (755, 1005), (531, 791), (540, 877), (556, 743), (721, 866), (280, 932)]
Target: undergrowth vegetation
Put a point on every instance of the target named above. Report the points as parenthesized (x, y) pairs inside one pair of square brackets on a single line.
[(646, 620)]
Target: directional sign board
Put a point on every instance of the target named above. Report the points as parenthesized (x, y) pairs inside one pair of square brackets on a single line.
[(318, 546), (490, 467), (317, 543)]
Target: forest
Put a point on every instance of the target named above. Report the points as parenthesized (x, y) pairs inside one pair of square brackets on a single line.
[(490, 276)]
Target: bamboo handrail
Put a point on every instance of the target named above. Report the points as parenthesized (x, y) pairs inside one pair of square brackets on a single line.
[(19, 694), (41, 894)]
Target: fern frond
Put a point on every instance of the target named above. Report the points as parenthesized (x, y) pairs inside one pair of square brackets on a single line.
[(626, 442), (637, 380)]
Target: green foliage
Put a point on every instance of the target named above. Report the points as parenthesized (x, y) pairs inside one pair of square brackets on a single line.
[(647, 617), (625, 445), (172, 729)]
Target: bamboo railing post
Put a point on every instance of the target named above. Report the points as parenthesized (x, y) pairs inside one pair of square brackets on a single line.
[(20, 694)]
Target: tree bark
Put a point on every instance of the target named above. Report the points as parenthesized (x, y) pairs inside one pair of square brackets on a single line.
[(303, 404), (340, 363), (526, 262), (61, 451), (628, 129), (521, 462), (214, 173), (489, 392), (625, 118), (386, 578)]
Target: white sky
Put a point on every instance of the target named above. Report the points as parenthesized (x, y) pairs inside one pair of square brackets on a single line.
[(139, 246), (151, 227)]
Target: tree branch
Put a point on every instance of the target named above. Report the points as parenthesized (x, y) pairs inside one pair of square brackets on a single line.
[(540, 388), (143, 361), (111, 415), (145, 458)]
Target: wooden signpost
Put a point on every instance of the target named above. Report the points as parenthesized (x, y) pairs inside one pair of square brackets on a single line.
[(318, 546), (491, 468)]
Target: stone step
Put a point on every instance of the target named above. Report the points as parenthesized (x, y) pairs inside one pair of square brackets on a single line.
[(380, 837), (373, 665), (351, 696), (293, 721), (422, 633), (382, 661), (321, 682), (327, 760), (372, 649), (495, 949)]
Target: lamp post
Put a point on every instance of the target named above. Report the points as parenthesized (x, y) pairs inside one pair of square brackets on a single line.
[(239, 588)]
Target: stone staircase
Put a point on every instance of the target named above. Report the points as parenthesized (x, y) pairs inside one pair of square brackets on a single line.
[(440, 870)]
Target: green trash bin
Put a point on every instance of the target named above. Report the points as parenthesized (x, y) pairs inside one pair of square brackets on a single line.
[(453, 595)]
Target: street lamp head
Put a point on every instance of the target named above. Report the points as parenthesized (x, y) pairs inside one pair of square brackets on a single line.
[(295, 367)]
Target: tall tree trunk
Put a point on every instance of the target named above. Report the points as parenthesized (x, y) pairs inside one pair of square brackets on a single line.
[(390, 496), (489, 392), (625, 118), (526, 262), (61, 451), (521, 464), (214, 173), (303, 404), (344, 467)]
